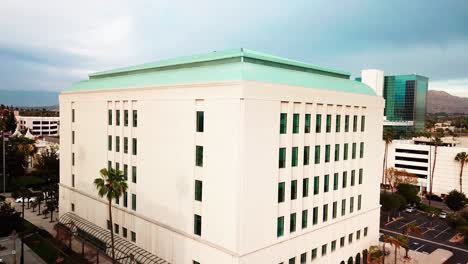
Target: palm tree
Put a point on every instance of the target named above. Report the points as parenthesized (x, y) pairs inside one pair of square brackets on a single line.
[(27, 147), (408, 229), (388, 138), (461, 157), (437, 141), (51, 206), (111, 185), (395, 243)]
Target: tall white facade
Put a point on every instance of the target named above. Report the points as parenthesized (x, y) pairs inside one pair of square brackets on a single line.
[(374, 79), (266, 179)]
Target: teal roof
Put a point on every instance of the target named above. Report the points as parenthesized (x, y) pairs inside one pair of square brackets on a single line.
[(238, 64)]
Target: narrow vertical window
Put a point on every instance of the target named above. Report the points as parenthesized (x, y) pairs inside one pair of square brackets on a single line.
[(359, 202), (346, 123), (109, 117), (343, 207), (327, 153), (73, 180), (133, 236), (283, 123), (324, 249), (355, 123), (358, 234), (353, 177), (292, 260), (116, 228), (134, 146), (316, 185), (306, 155), (109, 143), (292, 223), (135, 118), (354, 151), (73, 137), (109, 165), (345, 151), (134, 174), (134, 202), (199, 156), (317, 155), (325, 213), (198, 190), (117, 144), (361, 150), (350, 238), (333, 245), (282, 157), (365, 231), (281, 192), (360, 176), (293, 189), (342, 241), (363, 123), (124, 232), (315, 216), (334, 210), (295, 123), (313, 254), (335, 181), (117, 166), (307, 123), (125, 145), (305, 187), (337, 152), (73, 115), (280, 226), (304, 258), (338, 124), (125, 117), (73, 207), (197, 226), (318, 123), (329, 121), (200, 121), (351, 205), (125, 199), (117, 117), (326, 181), (125, 171), (73, 159), (304, 218), (295, 151), (345, 179)]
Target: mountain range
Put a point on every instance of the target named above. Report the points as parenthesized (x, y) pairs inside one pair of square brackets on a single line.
[(440, 101)]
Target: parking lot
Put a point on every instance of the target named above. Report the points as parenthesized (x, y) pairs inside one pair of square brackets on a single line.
[(433, 235)]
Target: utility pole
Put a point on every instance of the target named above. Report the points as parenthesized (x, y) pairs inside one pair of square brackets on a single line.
[(3, 143)]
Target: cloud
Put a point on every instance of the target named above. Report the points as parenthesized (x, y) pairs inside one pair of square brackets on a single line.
[(458, 87)]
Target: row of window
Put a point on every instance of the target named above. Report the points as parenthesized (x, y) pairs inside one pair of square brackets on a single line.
[(327, 158), (315, 215), (125, 170), (125, 119), (324, 247), (125, 144), (197, 219), (124, 231), (318, 123), (316, 190)]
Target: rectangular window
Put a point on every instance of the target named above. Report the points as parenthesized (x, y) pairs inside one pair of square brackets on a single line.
[(327, 153), (318, 123), (134, 146), (73, 115), (73, 137), (295, 151), (125, 171), (200, 121), (198, 190), (345, 151), (351, 205), (315, 216), (350, 238), (328, 127), (125, 199), (73, 159), (355, 123), (304, 218), (295, 123), (109, 165), (283, 123), (195, 262), (134, 202), (109, 225), (199, 156), (305, 187), (353, 177), (338, 124), (281, 192), (125, 117), (342, 241), (317, 154), (345, 179), (304, 258), (135, 118), (133, 235), (313, 254), (125, 145), (117, 144), (292, 261), (307, 123), (280, 226), (316, 184), (117, 117), (282, 157), (365, 231), (361, 150), (134, 174), (363, 123), (109, 143), (334, 209), (354, 151), (117, 166), (337, 152), (116, 228), (292, 223), (326, 182), (335, 181), (359, 202), (346, 123), (325, 213), (197, 225), (360, 176), (358, 235), (324, 249), (293, 189), (333, 245), (124, 232), (73, 180), (306, 155), (109, 117), (343, 207)]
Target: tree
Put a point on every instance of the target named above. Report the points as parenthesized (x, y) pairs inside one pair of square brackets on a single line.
[(9, 219), (396, 177), (391, 202), (437, 141), (410, 228), (111, 185), (50, 207), (455, 200), (395, 243), (8, 120), (410, 192), (27, 147), (388, 138), (462, 158), (48, 164)]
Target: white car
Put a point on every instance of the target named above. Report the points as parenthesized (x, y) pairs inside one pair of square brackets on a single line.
[(443, 215), (410, 209), (20, 200)]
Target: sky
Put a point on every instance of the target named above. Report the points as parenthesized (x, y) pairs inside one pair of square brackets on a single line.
[(48, 45)]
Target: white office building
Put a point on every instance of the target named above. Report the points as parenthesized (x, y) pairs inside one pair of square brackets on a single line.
[(39, 125), (232, 157), (416, 156)]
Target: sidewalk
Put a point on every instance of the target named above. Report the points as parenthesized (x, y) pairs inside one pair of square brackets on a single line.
[(8, 257), (438, 256)]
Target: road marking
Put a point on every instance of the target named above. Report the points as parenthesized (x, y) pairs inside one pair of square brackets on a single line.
[(428, 241), (419, 247), (407, 224), (442, 232)]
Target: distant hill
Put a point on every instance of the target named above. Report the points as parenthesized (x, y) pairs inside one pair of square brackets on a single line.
[(440, 101), (28, 98)]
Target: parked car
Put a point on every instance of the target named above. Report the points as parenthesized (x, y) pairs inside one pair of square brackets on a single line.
[(434, 197), (20, 199), (443, 215), (410, 209)]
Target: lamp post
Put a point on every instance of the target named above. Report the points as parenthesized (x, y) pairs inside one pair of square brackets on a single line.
[(3, 173)]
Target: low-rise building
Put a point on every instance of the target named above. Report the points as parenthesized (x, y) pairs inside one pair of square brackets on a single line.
[(39, 125)]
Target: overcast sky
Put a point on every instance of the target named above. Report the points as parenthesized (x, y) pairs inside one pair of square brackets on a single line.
[(48, 45)]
